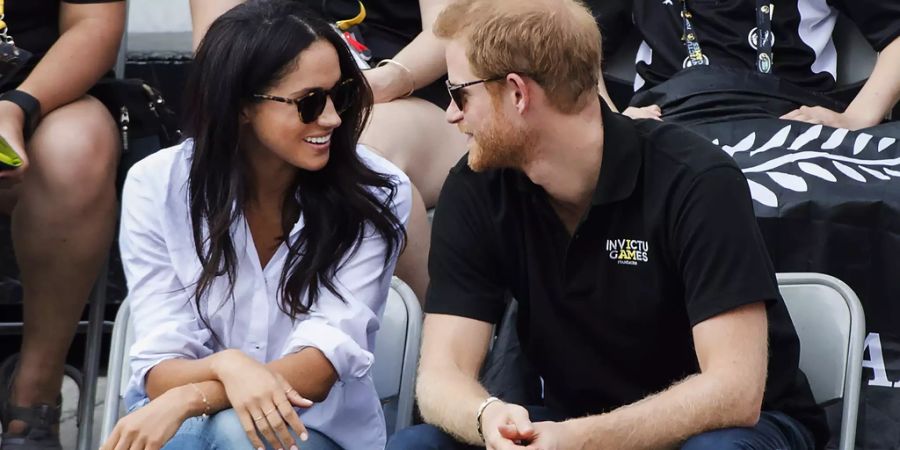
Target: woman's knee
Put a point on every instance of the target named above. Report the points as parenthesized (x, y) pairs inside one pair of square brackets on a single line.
[(225, 427), (76, 144)]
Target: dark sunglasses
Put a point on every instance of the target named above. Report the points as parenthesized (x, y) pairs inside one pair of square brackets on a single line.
[(458, 95), (311, 105)]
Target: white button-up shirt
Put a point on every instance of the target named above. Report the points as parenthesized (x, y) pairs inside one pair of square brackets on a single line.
[(161, 267)]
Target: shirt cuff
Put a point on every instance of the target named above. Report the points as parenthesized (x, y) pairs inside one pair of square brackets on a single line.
[(348, 358)]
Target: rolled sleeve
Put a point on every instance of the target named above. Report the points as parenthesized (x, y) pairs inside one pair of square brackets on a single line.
[(350, 360), (162, 317), (343, 329)]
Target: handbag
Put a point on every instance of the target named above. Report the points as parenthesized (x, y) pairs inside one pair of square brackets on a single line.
[(144, 119)]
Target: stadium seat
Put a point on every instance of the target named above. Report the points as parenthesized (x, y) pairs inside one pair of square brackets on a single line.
[(830, 323)]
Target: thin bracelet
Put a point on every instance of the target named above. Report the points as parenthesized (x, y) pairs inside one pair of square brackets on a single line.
[(205, 401), (412, 79), (478, 414)]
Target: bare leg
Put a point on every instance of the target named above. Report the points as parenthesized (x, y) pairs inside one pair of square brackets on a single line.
[(412, 266), (413, 134), (62, 226)]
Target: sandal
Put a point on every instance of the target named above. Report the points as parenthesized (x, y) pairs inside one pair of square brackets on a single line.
[(40, 419)]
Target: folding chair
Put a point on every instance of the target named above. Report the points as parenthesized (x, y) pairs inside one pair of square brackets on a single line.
[(831, 326), (397, 354), (394, 373)]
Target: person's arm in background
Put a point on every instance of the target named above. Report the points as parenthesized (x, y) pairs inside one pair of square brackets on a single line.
[(424, 57), (878, 96), (86, 49), (204, 12), (613, 18)]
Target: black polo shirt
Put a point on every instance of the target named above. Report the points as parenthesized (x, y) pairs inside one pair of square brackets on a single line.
[(669, 241)]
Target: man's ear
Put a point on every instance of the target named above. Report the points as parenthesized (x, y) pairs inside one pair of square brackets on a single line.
[(520, 92)]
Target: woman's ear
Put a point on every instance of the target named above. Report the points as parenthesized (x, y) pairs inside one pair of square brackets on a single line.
[(246, 113)]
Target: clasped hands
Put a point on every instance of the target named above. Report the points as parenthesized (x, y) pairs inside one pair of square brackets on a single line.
[(508, 426)]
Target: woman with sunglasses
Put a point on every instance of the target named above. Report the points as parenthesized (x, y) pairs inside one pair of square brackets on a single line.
[(259, 252)]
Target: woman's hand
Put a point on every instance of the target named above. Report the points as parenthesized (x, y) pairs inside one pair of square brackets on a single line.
[(262, 399), (12, 121), (645, 112), (388, 82), (834, 119), (152, 425)]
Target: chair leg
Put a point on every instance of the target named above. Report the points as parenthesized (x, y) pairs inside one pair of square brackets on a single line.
[(93, 348)]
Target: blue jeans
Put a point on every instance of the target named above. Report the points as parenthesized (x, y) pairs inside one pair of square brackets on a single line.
[(775, 431), (223, 431)]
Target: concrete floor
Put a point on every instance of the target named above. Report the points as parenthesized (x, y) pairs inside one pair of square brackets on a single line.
[(68, 432)]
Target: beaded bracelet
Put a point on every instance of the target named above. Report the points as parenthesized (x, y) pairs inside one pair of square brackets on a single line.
[(205, 401)]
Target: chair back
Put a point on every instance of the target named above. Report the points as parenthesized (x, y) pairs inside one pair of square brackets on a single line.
[(397, 353), (830, 324)]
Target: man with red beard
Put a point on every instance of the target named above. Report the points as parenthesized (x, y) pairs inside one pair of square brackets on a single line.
[(647, 302)]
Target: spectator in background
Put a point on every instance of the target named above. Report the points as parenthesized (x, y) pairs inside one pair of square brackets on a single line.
[(61, 198), (262, 248), (609, 234), (798, 51), (407, 124)]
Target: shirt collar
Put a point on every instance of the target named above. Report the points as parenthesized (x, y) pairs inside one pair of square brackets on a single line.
[(621, 158)]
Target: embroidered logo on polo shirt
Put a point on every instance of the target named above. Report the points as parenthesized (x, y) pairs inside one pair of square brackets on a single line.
[(629, 252)]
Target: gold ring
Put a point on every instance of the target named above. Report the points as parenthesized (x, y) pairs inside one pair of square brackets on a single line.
[(274, 408), (257, 419)]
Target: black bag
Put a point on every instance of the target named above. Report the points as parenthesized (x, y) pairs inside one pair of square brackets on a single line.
[(145, 121)]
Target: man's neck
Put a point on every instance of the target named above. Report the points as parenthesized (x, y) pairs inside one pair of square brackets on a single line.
[(568, 157)]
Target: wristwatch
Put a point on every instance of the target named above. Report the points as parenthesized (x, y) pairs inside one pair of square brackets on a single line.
[(30, 106)]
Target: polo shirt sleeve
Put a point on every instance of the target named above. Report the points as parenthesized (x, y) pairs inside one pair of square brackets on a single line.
[(878, 20), (463, 264), (719, 248)]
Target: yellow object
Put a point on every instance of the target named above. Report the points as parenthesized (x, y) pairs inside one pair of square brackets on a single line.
[(2, 22), (8, 156), (343, 25)]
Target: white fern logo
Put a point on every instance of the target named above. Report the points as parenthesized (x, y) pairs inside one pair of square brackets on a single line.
[(816, 162)]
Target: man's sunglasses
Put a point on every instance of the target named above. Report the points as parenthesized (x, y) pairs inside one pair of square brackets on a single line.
[(458, 95), (311, 105)]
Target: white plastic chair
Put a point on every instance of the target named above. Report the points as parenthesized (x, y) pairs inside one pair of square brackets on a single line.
[(830, 323), (394, 372)]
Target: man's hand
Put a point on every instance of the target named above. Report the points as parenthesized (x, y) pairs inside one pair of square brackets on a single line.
[(12, 122), (825, 116), (504, 425), (652, 112), (551, 436)]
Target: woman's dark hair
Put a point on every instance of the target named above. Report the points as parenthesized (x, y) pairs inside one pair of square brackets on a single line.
[(246, 51)]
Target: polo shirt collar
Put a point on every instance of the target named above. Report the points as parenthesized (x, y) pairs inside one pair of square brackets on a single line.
[(621, 158), (620, 164)]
